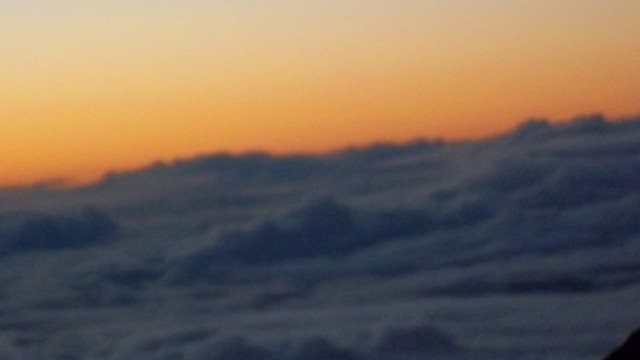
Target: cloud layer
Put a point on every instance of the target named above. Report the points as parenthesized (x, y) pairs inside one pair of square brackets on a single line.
[(525, 244)]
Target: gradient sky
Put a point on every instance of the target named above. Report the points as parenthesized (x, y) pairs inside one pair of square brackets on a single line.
[(87, 86)]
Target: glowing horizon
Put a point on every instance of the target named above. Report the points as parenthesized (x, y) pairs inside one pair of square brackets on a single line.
[(109, 85)]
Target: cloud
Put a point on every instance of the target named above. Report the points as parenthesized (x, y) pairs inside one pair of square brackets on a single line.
[(505, 242), (52, 232), (319, 348), (322, 228), (231, 349), (421, 339)]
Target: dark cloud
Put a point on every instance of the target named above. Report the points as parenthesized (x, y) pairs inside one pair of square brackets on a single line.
[(373, 155), (51, 232), (320, 349), (168, 344), (322, 228), (421, 339), (232, 349)]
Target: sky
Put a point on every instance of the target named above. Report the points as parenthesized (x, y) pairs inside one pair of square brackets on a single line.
[(94, 86)]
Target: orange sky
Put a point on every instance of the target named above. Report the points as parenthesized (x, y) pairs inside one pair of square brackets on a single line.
[(88, 86)]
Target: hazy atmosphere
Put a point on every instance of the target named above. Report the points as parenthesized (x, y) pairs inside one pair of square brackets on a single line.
[(319, 180)]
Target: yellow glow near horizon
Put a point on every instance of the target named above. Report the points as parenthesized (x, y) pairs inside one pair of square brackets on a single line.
[(92, 86)]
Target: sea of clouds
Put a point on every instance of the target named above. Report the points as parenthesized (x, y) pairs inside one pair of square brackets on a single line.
[(520, 246)]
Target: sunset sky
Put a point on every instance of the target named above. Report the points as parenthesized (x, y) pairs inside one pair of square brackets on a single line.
[(89, 86)]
